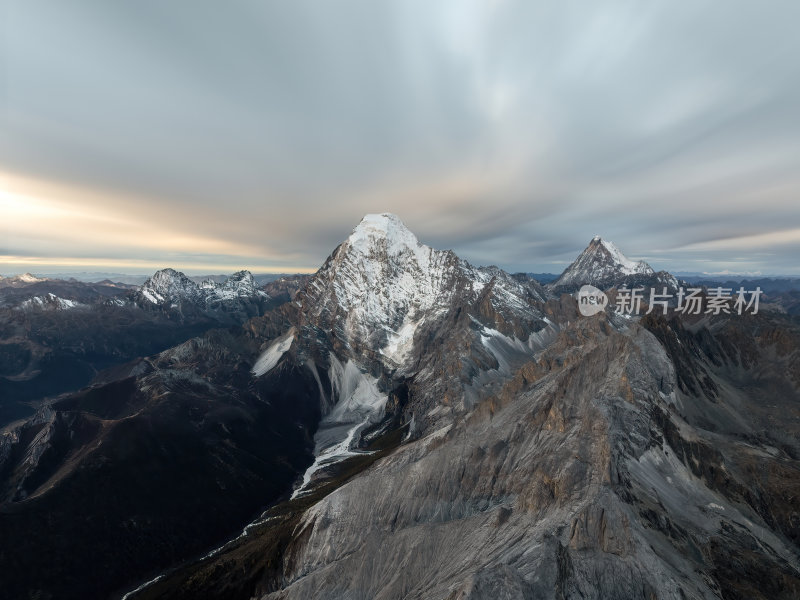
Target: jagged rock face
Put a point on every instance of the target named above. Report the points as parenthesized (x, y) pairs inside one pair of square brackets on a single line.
[(603, 265), (380, 280), (577, 480), (385, 311), (285, 287), (381, 288), (234, 300), (600, 261), (240, 283), (593, 472), (514, 499), (169, 285), (404, 311)]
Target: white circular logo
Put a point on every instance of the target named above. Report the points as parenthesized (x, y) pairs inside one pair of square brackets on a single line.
[(591, 300)]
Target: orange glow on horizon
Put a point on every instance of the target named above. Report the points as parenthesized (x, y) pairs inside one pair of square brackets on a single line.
[(38, 215)]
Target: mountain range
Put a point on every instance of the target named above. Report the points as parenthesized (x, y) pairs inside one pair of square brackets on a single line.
[(56, 335), (403, 424)]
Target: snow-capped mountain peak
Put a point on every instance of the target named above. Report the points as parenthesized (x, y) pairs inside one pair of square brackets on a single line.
[(379, 275), (628, 267), (49, 301), (20, 280), (28, 278), (240, 279), (168, 285), (240, 283), (381, 285), (386, 233), (237, 297), (601, 263)]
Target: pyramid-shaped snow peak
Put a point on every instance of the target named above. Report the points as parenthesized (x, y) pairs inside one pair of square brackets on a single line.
[(601, 263), (380, 267), (168, 285), (381, 284), (607, 252), (387, 235)]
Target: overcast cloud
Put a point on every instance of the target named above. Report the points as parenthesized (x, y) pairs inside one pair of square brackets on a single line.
[(216, 135)]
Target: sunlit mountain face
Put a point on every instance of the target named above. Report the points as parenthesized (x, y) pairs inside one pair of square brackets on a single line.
[(399, 300)]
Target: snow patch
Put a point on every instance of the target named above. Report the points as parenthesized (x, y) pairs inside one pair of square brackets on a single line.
[(627, 266), (270, 357), (50, 301), (502, 347), (387, 229), (323, 400), (400, 342), (359, 404), (152, 297), (357, 393), (509, 350)]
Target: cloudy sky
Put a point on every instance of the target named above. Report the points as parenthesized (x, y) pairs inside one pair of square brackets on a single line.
[(211, 136)]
